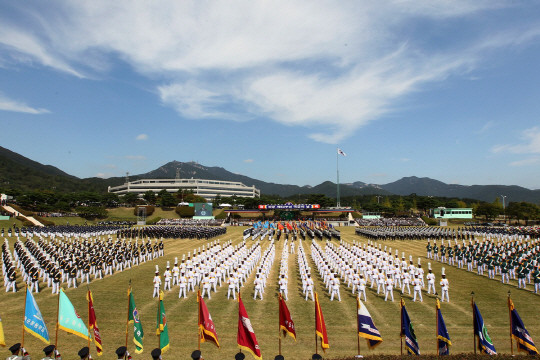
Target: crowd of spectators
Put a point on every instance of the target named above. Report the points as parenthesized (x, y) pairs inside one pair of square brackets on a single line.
[(190, 222), (391, 222), (55, 214)]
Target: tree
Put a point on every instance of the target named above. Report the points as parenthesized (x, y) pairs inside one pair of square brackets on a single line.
[(130, 199), (150, 197), (166, 199), (489, 211)]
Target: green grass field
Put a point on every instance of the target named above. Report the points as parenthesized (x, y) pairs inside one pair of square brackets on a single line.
[(110, 302)]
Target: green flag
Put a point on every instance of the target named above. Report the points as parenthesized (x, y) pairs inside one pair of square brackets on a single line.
[(133, 317), (162, 329), (68, 318)]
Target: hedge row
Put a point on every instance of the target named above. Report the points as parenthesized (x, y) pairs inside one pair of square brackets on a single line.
[(44, 221), (21, 210), (25, 222), (149, 209)]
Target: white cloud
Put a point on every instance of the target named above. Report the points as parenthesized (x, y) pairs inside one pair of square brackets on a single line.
[(142, 137), (331, 69), (249, 160), (526, 162), (7, 104), (488, 125), (530, 144), (135, 157)]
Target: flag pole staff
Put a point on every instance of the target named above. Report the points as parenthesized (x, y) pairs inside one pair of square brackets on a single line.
[(316, 346), (89, 335), (436, 326), (199, 321), (24, 312), (279, 322), (401, 321), (159, 319), (357, 324), (57, 315), (337, 172), (127, 312), (510, 318), (474, 333)]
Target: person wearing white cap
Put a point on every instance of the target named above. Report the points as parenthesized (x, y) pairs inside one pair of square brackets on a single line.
[(334, 285), (157, 283), (444, 287), (431, 280), (167, 278), (182, 282), (175, 272), (389, 287), (417, 288)]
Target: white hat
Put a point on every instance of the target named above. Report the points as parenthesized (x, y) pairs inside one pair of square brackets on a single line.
[(442, 271), (157, 269), (168, 265), (175, 260), (418, 261), (429, 266)]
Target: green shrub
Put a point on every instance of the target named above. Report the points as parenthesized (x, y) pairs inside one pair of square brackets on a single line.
[(25, 222), (21, 210), (185, 211), (357, 215), (429, 221), (153, 221), (149, 209), (221, 215), (44, 221)]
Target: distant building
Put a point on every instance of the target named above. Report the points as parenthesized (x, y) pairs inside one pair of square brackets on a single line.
[(451, 213), (208, 189)]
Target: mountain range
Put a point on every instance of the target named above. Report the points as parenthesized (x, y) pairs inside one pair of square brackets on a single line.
[(19, 172)]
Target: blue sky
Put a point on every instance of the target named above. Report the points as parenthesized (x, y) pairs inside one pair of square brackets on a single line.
[(270, 89)]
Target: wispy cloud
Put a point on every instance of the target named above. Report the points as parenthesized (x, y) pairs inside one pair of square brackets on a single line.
[(7, 104), (526, 162), (488, 125), (530, 143), (249, 160), (331, 69), (135, 157), (142, 137)]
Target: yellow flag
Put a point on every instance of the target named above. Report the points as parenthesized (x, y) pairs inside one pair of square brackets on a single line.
[(2, 340)]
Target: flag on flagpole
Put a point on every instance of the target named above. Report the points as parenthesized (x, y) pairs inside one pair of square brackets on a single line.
[(207, 329), (443, 338), (366, 327), (2, 339), (341, 152), (162, 329), (320, 326), (133, 317), (407, 331), (524, 341), (92, 323), (33, 321), (286, 323), (68, 318), (484, 344), (246, 336)]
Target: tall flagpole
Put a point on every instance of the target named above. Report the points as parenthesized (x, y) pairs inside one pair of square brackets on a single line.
[(89, 335), (357, 324), (337, 171), (279, 322), (510, 317), (127, 312), (24, 313), (437, 325), (199, 321), (401, 320), (57, 315), (474, 322), (159, 317)]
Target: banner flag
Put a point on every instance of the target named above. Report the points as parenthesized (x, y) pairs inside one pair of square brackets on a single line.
[(207, 329), (341, 152), (92, 323), (320, 326), (33, 321), (443, 338), (162, 329), (285, 321), (524, 340), (68, 318), (246, 336), (133, 317), (407, 331), (484, 344), (366, 327)]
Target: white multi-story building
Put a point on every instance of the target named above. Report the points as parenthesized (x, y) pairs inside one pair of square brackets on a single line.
[(208, 189)]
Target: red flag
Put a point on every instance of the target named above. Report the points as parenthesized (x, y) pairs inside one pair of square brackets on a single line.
[(246, 336), (285, 322), (289, 226), (92, 323), (320, 326), (207, 330)]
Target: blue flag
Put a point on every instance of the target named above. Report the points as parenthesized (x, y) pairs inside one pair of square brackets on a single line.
[(366, 327), (524, 341), (485, 344), (443, 339), (407, 331), (33, 321)]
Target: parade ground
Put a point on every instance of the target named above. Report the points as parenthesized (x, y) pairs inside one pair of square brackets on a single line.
[(110, 303)]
